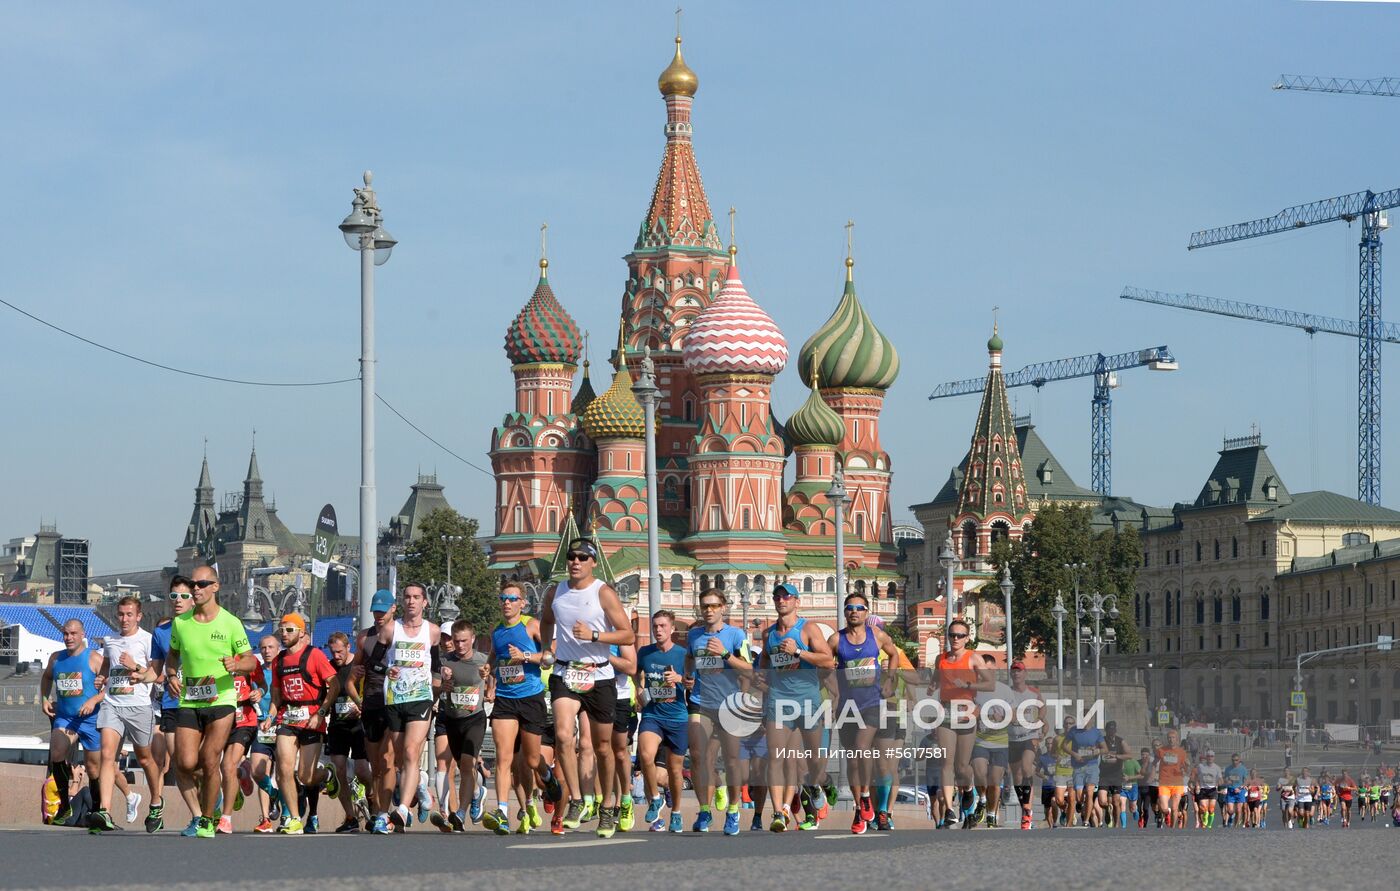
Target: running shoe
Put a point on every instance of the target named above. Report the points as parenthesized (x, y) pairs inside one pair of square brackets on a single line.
[(534, 814), (882, 821), (731, 823), (830, 789), (474, 814), (100, 821), (63, 816), (1026, 821), (702, 822), (809, 823), (425, 803), (757, 824), (625, 818), (265, 826), (607, 822), (497, 822), (556, 822), (721, 798), (191, 830), (362, 812), (238, 799), (524, 827), (676, 824), (779, 824), (380, 826), (350, 825), (867, 809), (590, 811), (133, 806), (155, 818), (653, 810), (439, 819), (573, 817), (292, 826), (399, 816), (245, 779), (657, 825), (553, 791), (225, 825), (858, 825), (205, 828), (332, 786), (313, 825)]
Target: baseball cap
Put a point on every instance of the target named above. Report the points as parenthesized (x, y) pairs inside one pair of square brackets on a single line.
[(1018, 665), (383, 601), (294, 619)]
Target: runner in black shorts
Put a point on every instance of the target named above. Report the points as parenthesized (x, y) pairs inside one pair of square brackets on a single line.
[(345, 738), (462, 721), (370, 670)]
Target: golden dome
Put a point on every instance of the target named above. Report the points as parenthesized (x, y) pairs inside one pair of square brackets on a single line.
[(678, 79)]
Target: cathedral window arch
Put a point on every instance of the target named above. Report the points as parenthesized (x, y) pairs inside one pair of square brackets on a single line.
[(807, 585), (831, 584), (519, 515), (892, 590), (688, 407), (747, 519), (1000, 531), (677, 582), (744, 415), (553, 520), (741, 581), (860, 525), (969, 540), (704, 583)]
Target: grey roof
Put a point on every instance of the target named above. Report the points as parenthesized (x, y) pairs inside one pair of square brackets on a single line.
[(424, 498), (1378, 550), (1035, 455), (1329, 507), (1243, 474)]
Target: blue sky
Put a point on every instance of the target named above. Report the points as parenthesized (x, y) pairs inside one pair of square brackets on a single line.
[(174, 176)]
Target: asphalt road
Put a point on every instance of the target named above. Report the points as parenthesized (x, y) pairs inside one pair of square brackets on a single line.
[(34, 858)]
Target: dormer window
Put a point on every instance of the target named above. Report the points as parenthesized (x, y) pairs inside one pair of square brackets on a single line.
[(1046, 473)]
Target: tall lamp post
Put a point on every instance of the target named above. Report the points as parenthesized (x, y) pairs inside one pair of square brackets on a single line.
[(837, 495), (646, 391), (278, 603), (947, 558), (447, 542), (443, 601), (1007, 587), (1076, 570), (1094, 604), (1059, 612), (746, 593), (364, 232)]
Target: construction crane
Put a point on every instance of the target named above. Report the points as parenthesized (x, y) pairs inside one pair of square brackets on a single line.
[(1369, 207), (1290, 318), (1104, 370), (1376, 86)]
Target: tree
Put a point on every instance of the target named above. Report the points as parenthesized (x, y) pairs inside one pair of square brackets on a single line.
[(910, 648), (1061, 535), (426, 564)]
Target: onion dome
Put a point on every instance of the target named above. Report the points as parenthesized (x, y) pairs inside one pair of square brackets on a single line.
[(994, 344), (585, 394), (815, 423), (734, 335), (849, 351), (543, 331), (678, 79), (616, 414)]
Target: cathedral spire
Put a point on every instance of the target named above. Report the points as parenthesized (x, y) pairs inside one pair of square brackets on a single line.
[(995, 482)]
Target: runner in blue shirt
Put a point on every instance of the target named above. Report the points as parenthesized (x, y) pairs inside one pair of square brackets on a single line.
[(661, 680), (716, 656)]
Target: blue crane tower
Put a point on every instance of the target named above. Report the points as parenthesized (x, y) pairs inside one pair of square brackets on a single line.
[(1376, 86), (1368, 207), (1103, 369), (1290, 318)]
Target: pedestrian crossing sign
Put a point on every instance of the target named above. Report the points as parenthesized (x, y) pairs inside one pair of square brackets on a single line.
[(1298, 699), (1164, 717)]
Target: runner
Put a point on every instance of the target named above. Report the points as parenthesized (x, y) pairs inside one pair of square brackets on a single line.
[(858, 648), (1111, 800), (1088, 747), (1027, 710), (71, 675), (661, 679), (1346, 791), (1062, 750), (264, 752), (958, 679), (716, 657), (1172, 764), (1147, 788), (461, 712), (127, 711), (207, 645), (163, 746), (1325, 793), (624, 662), (1287, 794), (1236, 778), (1206, 779), (410, 687), (990, 750), (345, 737), (247, 693), (579, 620), (371, 670), (1303, 796), (896, 680), (794, 651), (1254, 797), (518, 714), (1128, 799), (1051, 795), (304, 690)]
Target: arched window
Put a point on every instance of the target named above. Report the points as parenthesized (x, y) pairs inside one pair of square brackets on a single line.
[(688, 407), (759, 583), (1200, 610), (1264, 607), (860, 526), (719, 582), (668, 489), (519, 519), (1167, 608), (1234, 547), (704, 584), (1217, 610), (677, 582), (741, 581), (1217, 549), (969, 540), (831, 584), (891, 590), (807, 585), (1147, 615), (1235, 608), (860, 586), (1000, 531)]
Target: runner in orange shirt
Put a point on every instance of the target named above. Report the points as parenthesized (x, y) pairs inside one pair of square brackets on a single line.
[(1172, 765)]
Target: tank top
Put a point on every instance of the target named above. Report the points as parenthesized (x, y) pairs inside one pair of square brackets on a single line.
[(859, 670), (957, 668), (411, 654), (74, 683), (513, 679), (580, 660), (375, 671), (341, 709), (789, 679)]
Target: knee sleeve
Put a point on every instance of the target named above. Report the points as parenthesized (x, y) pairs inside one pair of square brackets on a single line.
[(1023, 794)]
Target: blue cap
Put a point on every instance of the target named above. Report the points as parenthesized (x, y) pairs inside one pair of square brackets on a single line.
[(383, 601)]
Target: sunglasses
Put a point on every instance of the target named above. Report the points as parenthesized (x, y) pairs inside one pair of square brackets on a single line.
[(286, 628), (712, 606), (782, 595), (856, 608), (509, 598), (958, 636), (579, 558), (180, 595), (205, 583)]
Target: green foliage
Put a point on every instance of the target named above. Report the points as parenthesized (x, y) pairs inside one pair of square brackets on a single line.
[(910, 648), (1060, 535), (426, 563)]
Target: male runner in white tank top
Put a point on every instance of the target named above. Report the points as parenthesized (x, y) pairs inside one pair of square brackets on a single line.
[(580, 620), (410, 689)]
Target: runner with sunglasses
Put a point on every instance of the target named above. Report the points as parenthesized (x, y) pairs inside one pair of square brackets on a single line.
[(207, 645), (372, 670), (716, 654), (959, 679), (304, 690), (579, 621), (859, 648), (163, 746)]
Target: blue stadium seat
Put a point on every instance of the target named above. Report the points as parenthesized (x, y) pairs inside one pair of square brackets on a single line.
[(31, 619), (328, 625), (93, 624)]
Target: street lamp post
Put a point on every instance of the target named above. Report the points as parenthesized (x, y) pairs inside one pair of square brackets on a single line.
[(1094, 604), (947, 558), (1059, 611), (447, 542), (1076, 570), (1007, 587), (364, 232), (646, 391), (837, 495), (289, 599), (444, 602), (746, 594)]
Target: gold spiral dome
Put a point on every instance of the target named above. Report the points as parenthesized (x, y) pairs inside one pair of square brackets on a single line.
[(678, 79)]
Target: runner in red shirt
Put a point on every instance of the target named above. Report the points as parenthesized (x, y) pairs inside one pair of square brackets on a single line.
[(240, 741), (304, 685)]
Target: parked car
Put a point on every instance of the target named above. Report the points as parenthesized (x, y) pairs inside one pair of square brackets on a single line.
[(911, 795)]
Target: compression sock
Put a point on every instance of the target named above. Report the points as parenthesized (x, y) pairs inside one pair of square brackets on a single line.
[(1023, 795), (95, 787), (882, 796), (62, 777), (1123, 820), (704, 808), (968, 796), (313, 799), (588, 801)]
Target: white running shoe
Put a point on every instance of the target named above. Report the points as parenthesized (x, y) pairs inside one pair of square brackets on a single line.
[(133, 804)]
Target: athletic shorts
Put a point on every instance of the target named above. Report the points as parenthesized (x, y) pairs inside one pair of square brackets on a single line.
[(1149, 794), (626, 720), (262, 748), (305, 736), (200, 718), (892, 728), (1086, 775), (1130, 793), (674, 734), (1253, 803), (242, 735), (994, 757), (1112, 791), (375, 722), (1063, 780), (710, 714), (346, 740), (754, 746), (527, 711), (1018, 748), (169, 719), (850, 731), (1206, 794), (397, 717), (599, 703), (1234, 796), (133, 722), (808, 715), (1170, 791), (1047, 796), (548, 739), (85, 728), (1303, 805), (464, 735)]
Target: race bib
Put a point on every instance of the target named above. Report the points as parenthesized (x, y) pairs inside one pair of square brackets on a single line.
[(708, 663), (69, 684), (119, 682), (296, 714), (267, 737), (468, 698), (783, 661), (343, 706), (201, 690), (510, 673), (861, 672), (1168, 759), (660, 691), (578, 676)]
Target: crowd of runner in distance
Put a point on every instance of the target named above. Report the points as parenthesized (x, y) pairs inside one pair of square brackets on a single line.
[(589, 728)]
